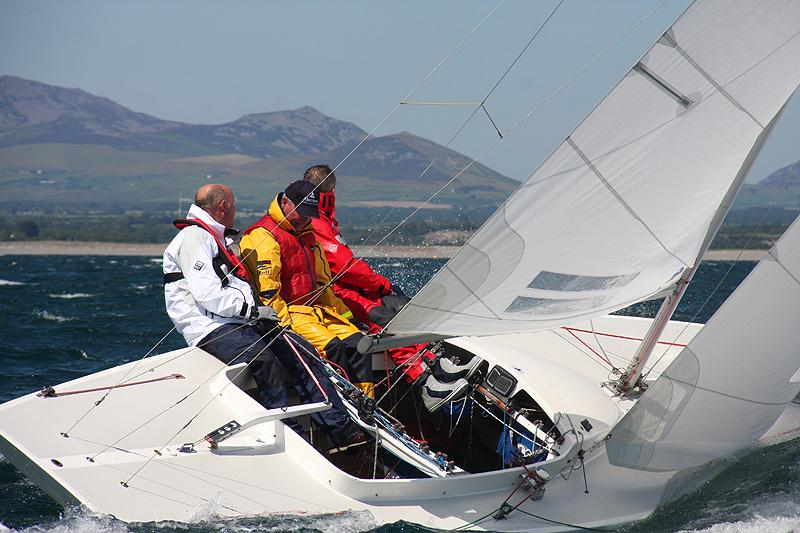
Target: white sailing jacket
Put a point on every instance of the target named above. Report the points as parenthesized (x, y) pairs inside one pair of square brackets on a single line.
[(198, 303)]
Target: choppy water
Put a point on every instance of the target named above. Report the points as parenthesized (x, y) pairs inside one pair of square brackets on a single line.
[(65, 317)]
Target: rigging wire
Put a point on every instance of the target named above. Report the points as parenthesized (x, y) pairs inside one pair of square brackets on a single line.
[(122, 381), (584, 352), (514, 126), (204, 476), (478, 106), (714, 290), (417, 87), (189, 394)]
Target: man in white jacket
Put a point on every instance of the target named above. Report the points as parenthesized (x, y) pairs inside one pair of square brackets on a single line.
[(210, 301)]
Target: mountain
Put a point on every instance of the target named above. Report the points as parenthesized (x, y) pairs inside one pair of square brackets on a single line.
[(68, 147), (788, 176), (300, 131), (779, 190), (32, 112)]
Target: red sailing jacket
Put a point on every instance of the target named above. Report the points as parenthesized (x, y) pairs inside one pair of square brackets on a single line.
[(359, 287)]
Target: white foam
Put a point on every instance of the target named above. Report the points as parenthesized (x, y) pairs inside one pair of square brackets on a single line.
[(758, 524), (71, 295), (80, 521), (47, 315), (158, 260), (10, 283), (344, 522)]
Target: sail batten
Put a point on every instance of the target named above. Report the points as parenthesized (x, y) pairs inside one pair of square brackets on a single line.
[(634, 190)]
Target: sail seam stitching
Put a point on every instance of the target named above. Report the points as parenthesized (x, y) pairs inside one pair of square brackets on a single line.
[(620, 199), (778, 261), (471, 291), (720, 393), (717, 85)]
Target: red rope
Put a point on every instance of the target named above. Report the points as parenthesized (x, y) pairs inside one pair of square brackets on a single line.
[(340, 368), (618, 336), (303, 361), (590, 348), (48, 392)]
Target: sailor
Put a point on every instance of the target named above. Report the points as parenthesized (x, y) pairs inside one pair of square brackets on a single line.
[(210, 300), (374, 300), (292, 276)]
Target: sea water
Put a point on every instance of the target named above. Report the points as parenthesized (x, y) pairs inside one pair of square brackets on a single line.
[(65, 317)]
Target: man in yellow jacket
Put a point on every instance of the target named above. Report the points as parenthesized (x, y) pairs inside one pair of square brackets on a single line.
[(293, 277)]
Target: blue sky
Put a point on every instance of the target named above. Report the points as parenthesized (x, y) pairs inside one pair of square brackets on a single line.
[(211, 62)]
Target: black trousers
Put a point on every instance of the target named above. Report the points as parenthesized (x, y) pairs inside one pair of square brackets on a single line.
[(237, 343)]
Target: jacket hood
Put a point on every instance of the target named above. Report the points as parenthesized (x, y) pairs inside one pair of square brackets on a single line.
[(276, 214)]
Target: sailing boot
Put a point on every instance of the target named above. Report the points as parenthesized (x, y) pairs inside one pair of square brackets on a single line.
[(435, 393), (447, 371)]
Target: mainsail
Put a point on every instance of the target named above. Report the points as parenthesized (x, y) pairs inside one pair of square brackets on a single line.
[(622, 206), (732, 381)]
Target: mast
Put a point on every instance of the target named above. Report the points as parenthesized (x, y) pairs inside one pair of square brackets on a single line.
[(632, 375)]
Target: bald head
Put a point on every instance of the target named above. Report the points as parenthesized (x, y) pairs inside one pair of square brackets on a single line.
[(217, 200)]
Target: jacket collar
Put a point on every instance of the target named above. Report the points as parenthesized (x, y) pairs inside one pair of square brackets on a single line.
[(277, 215), (327, 205), (198, 213)]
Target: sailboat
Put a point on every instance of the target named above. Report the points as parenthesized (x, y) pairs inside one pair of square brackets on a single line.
[(578, 418)]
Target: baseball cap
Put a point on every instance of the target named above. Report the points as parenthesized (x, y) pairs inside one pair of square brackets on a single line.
[(304, 198)]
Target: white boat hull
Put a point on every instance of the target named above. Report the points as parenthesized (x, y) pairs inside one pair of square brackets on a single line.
[(108, 462)]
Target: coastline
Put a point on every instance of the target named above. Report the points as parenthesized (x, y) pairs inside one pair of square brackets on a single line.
[(156, 250)]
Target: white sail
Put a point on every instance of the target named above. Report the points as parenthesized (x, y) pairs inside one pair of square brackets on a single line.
[(622, 206), (732, 381)]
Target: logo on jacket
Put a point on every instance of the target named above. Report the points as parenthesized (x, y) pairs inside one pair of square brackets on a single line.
[(264, 266), (199, 265)]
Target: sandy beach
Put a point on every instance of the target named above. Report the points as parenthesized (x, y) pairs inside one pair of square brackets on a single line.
[(155, 250)]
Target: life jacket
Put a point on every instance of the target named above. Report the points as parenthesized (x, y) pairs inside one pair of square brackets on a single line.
[(298, 263), (224, 255)]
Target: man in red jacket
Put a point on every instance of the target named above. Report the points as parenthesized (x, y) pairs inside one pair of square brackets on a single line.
[(374, 300)]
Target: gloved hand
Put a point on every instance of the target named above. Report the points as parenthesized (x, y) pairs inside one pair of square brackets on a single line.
[(264, 312), (397, 290)]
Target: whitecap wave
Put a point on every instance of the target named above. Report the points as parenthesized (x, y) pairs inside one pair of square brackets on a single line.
[(10, 283), (390, 265), (344, 522), (71, 295), (79, 520), (158, 260), (47, 315), (758, 524)]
